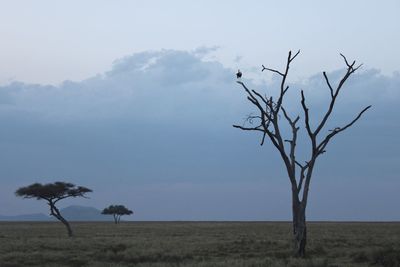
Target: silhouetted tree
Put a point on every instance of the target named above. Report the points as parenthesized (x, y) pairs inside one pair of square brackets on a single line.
[(52, 193), (117, 211), (270, 113)]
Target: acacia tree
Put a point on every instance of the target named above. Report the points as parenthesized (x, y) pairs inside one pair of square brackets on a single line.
[(268, 122), (117, 211), (52, 193)]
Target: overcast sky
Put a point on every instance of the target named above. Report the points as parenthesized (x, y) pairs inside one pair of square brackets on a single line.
[(136, 100)]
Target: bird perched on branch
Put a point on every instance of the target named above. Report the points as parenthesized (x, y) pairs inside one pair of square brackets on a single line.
[(238, 74)]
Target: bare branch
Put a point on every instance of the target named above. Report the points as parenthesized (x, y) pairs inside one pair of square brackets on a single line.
[(336, 130), (251, 97), (248, 128), (260, 96), (251, 117), (328, 83), (292, 142), (283, 82), (335, 93), (263, 138), (347, 63), (292, 58), (299, 164), (356, 68), (303, 169), (351, 66), (284, 91), (254, 100), (291, 122), (353, 121), (302, 176), (306, 115), (272, 70)]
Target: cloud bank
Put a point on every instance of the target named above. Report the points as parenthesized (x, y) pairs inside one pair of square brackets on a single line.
[(156, 128)]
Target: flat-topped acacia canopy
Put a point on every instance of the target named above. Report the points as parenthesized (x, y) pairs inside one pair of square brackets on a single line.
[(52, 193)]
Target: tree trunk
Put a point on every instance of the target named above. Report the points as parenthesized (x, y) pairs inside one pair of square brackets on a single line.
[(66, 223), (56, 213), (299, 228)]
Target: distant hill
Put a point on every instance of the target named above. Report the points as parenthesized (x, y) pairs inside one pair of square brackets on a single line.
[(71, 213)]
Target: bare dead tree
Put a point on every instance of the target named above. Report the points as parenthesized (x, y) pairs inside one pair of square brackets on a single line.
[(269, 124)]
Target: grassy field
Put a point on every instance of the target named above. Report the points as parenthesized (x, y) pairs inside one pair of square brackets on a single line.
[(197, 244)]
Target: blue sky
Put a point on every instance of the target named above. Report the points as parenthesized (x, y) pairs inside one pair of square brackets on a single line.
[(44, 41), (137, 100)]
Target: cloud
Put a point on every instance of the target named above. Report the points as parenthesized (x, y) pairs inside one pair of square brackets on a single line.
[(164, 117), (158, 85), (205, 50)]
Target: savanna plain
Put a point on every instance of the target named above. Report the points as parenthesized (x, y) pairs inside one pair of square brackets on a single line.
[(196, 244)]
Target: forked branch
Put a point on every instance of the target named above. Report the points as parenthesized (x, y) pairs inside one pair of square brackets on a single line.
[(336, 130)]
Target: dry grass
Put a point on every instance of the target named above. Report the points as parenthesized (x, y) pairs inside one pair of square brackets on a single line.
[(197, 244)]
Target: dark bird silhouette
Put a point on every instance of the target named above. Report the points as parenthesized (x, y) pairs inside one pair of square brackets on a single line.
[(238, 74)]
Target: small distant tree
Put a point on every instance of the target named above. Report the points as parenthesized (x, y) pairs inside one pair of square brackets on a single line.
[(52, 193), (117, 211)]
